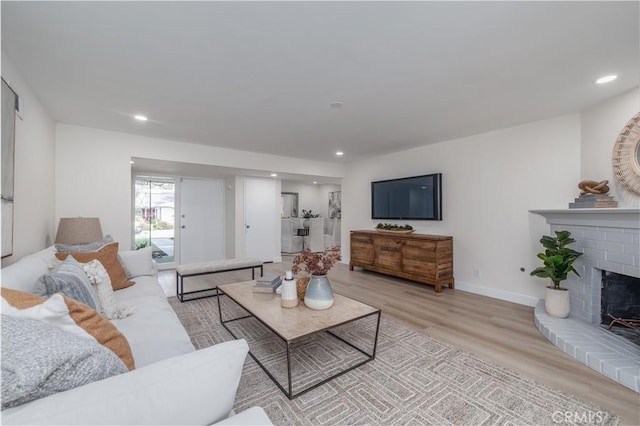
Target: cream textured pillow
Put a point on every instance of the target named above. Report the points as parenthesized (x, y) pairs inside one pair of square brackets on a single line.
[(108, 256), (99, 278), (68, 315)]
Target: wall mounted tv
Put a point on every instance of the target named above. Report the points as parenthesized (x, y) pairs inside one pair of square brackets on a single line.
[(411, 198)]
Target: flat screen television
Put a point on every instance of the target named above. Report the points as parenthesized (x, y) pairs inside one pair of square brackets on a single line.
[(410, 198)]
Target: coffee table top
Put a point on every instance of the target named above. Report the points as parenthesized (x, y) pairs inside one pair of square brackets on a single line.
[(292, 323)]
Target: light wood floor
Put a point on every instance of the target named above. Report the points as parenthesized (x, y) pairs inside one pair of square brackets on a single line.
[(496, 330)]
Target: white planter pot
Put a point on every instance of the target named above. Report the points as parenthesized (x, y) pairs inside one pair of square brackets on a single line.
[(556, 302)]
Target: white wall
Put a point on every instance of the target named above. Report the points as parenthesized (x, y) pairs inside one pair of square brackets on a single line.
[(34, 225), (311, 197), (92, 176), (601, 126), (308, 195), (490, 182)]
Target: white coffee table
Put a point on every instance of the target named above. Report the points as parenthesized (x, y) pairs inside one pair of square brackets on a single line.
[(293, 324)]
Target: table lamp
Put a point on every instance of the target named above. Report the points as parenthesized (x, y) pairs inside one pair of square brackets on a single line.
[(78, 230)]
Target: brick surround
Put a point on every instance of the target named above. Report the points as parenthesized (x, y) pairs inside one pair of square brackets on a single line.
[(610, 241), (605, 248)]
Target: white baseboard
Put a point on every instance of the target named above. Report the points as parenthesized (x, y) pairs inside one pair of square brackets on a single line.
[(520, 299)]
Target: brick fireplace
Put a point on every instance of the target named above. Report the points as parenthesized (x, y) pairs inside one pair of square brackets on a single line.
[(610, 241)]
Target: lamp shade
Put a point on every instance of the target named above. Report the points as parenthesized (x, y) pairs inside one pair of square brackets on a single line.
[(78, 230)]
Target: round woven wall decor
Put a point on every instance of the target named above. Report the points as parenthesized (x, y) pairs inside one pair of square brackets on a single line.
[(626, 156)]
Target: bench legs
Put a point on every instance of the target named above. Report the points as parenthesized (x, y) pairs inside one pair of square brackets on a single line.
[(253, 270), (180, 293)]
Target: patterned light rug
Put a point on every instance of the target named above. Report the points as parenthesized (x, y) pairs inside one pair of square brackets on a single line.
[(414, 379)]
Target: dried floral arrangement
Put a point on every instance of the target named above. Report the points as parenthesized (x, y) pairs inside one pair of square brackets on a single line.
[(316, 263), (308, 214)]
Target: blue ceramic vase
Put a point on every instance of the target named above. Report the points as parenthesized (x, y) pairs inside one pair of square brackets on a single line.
[(319, 294)]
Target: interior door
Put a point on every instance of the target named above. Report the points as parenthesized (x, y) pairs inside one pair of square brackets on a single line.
[(261, 221), (201, 220)]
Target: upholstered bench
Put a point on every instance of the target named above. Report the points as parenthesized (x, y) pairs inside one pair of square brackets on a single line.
[(212, 267)]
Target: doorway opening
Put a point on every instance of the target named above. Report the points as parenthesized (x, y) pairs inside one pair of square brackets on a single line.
[(154, 217)]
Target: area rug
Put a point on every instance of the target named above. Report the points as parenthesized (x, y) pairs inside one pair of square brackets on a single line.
[(413, 380)]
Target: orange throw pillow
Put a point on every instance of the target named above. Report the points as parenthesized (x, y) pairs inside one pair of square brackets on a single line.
[(89, 320), (108, 256)]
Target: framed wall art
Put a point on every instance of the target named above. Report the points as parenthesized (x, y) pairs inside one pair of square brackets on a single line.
[(9, 99), (335, 205)]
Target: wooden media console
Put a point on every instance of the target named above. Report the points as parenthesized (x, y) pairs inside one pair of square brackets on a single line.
[(423, 258)]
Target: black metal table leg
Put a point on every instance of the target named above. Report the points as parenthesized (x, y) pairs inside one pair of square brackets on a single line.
[(290, 347)]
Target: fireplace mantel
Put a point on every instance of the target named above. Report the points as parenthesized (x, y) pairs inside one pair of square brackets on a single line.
[(613, 218)]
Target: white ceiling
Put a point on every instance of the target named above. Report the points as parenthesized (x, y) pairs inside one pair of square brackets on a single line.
[(259, 76)]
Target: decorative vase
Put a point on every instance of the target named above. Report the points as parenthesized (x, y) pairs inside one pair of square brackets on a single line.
[(556, 302), (301, 287), (289, 294), (306, 222), (319, 294)]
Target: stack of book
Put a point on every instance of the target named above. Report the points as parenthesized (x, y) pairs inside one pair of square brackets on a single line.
[(593, 201), (267, 283)]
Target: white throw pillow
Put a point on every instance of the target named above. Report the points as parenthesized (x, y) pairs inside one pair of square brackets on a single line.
[(24, 274), (52, 311), (137, 263)]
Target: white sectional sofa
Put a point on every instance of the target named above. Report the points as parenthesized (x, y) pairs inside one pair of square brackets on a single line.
[(172, 382)]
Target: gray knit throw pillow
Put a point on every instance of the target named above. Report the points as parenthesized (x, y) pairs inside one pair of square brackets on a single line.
[(84, 248), (39, 359)]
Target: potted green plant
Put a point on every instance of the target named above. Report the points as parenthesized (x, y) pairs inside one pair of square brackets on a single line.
[(558, 263)]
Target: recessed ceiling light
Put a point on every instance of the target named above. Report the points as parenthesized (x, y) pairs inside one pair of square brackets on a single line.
[(315, 182), (140, 117), (336, 104), (339, 153), (132, 162), (606, 79), (274, 174)]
